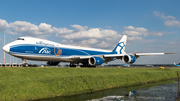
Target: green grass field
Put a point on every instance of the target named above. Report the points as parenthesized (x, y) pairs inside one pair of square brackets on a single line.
[(38, 83)]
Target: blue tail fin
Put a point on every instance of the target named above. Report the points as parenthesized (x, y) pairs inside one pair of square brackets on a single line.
[(120, 47)]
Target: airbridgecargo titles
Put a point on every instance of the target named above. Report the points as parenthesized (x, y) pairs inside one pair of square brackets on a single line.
[(28, 48), (45, 44)]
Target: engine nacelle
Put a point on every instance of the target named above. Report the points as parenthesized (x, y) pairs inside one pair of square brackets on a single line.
[(128, 59), (95, 61), (52, 63)]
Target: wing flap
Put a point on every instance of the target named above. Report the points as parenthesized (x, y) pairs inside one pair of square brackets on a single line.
[(81, 57), (114, 55)]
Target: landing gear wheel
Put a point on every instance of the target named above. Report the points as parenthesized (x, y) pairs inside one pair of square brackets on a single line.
[(87, 65), (72, 65), (25, 64), (84, 65)]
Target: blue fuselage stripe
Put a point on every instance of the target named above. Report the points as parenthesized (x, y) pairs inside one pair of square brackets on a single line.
[(31, 49)]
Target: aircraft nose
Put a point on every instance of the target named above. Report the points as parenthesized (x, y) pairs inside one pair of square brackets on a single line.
[(6, 48)]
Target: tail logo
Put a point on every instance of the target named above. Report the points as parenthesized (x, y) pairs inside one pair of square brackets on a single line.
[(120, 48)]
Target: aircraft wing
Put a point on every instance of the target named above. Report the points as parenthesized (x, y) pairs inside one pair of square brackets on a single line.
[(149, 54), (119, 55), (136, 54), (89, 56)]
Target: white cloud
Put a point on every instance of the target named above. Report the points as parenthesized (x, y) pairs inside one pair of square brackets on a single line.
[(104, 44), (90, 41), (78, 35), (172, 23), (62, 31), (3, 25), (83, 36), (79, 28), (82, 43), (136, 34), (156, 33), (170, 17), (83, 32), (139, 31), (169, 20), (26, 28), (44, 27), (132, 31), (135, 38), (161, 15), (129, 28)]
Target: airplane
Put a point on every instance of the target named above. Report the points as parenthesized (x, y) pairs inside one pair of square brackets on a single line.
[(29, 48), (176, 64)]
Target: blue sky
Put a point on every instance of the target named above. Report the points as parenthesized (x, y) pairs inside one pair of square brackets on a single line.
[(151, 26)]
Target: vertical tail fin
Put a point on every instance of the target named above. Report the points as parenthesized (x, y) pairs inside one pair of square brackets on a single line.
[(120, 47)]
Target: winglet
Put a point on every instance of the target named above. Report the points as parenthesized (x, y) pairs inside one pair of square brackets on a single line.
[(120, 47), (170, 53)]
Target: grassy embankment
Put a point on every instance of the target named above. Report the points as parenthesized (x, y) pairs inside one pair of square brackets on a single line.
[(38, 83)]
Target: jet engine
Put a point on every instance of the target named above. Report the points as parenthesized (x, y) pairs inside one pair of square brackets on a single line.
[(52, 63), (128, 59), (95, 61)]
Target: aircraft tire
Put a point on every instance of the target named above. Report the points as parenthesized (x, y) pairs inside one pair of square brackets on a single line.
[(72, 65)]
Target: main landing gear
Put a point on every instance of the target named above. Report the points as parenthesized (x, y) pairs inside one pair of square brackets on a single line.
[(25, 64), (87, 65), (72, 65), (83, 65)]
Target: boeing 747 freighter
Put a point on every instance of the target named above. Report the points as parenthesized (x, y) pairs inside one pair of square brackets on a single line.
[(28, 48)]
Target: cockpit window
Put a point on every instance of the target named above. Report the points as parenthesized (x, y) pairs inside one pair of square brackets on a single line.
[(20, 39)]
